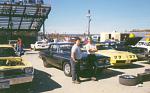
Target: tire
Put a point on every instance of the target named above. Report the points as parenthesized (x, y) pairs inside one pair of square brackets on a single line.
[(128, 80), (147, 71), (67, 69)]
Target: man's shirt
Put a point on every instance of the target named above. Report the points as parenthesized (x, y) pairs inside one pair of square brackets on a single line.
[(76, 49), (90, 46)]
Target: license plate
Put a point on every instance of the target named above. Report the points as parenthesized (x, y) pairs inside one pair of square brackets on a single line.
[(4, 84)]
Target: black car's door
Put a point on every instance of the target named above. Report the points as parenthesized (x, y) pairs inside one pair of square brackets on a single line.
[(53, 56), (58, 59), (61, 55)]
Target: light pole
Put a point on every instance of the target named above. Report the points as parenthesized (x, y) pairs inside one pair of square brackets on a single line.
[(89, 21)]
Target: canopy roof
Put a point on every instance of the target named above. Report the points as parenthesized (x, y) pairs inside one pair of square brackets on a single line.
[(25, 17)]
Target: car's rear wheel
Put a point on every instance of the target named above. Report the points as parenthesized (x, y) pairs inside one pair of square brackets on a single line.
[(67, 69), (128, 80)]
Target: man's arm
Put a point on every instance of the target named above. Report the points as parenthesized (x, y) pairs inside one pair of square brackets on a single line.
[(91, 49), (73, 56), (95, 49)]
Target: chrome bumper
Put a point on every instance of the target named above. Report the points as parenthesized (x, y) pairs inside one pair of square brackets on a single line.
[(104, 66), (18, 80)]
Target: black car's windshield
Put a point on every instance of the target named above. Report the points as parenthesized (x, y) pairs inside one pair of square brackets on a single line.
[(103, 47), (65, 47), (61, 47), (7, 52)]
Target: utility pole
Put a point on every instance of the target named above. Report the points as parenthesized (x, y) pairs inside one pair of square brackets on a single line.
[(43, 29), (89, 21)]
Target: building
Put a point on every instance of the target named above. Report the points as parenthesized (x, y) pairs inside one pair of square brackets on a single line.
[(116, 36), (24, 20), (141, 32)]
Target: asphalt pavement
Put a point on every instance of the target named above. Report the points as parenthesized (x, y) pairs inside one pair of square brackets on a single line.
[(52, 80)]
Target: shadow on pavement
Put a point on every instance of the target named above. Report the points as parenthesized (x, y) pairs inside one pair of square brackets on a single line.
[(42, 82), (145, 63), (108, 73), (101, 74), (132, 66)]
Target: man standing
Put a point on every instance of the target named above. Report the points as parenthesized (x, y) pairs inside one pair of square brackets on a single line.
[(91, 49), (75, 57), (19, 46)]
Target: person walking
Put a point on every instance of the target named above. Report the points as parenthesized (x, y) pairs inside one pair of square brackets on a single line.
[(91, 49), (76, 55), (19, 46)]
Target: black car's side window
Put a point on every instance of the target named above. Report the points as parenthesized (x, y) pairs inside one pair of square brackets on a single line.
[(54, 48)]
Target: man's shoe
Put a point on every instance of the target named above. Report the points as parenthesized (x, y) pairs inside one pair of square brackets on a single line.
[(76, 82), (93, 78)]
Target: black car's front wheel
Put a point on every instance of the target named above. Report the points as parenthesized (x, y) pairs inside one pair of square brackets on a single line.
[(67, 69)]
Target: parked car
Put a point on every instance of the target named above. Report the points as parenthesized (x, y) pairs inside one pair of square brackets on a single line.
[(14, 44), (39, 45), (141, 53), (58, 55), (117, 58), (13, 69), (144, 44)]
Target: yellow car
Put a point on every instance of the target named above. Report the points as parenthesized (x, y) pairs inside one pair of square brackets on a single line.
[(117, 58), (13, 69)]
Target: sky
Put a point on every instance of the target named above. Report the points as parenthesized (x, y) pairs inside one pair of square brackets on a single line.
[(69, 16)]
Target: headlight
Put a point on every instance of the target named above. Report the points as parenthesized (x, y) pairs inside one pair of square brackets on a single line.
[(101, 61), (29, 70), (119, 57), (133, 56), (130, 56), (107, 60), (115, 57), (104, 60)]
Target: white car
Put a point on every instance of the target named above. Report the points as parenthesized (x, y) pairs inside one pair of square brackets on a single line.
[(40, 45), (144, 44)]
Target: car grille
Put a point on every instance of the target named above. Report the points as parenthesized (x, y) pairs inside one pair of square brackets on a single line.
[(120, 61), (133, 60), (11, 73)]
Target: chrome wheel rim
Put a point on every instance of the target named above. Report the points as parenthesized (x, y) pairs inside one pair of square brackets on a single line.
[(67, 68)]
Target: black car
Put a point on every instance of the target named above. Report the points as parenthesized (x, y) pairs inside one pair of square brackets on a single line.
[(58, 55), (141, 53)]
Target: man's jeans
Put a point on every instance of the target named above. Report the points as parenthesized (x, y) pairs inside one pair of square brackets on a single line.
[(75, 68), (91, 65)]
